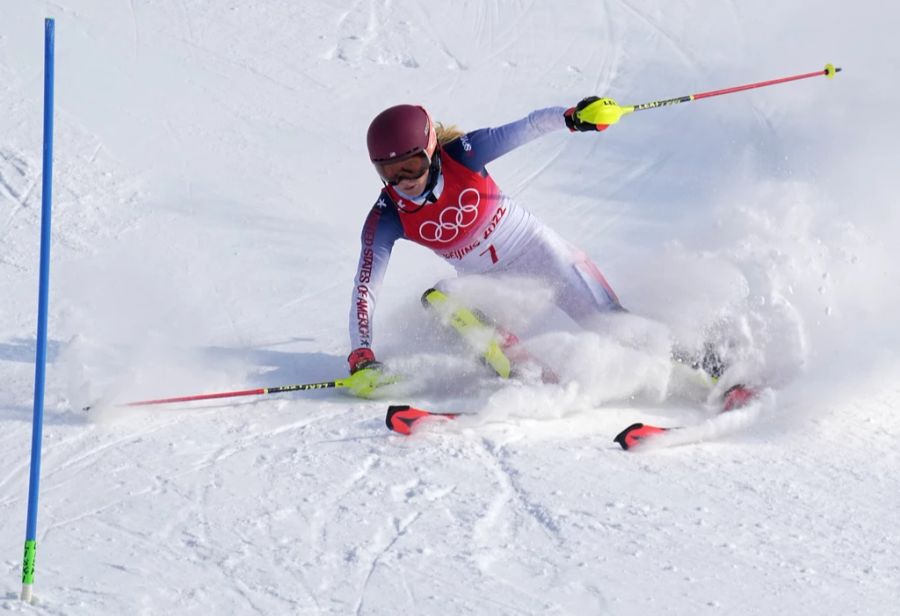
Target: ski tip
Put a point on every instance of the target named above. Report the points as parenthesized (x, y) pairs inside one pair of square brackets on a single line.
[(402, 418), (632, 436), (96, 405)]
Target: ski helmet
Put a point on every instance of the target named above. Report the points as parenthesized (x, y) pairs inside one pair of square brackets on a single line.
[(400, 132)]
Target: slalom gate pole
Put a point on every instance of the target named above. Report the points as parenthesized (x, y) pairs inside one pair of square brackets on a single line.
[(610, 112), (43, 305)]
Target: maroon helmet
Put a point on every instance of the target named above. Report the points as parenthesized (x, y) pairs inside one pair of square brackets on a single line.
[(398, 134)]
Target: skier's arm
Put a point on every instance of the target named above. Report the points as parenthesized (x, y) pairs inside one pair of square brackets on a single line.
[(381, 230), (479, 147)]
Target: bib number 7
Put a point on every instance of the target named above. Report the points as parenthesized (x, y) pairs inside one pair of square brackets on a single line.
[(493, 251)]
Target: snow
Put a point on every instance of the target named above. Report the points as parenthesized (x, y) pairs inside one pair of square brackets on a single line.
[(210, 185)]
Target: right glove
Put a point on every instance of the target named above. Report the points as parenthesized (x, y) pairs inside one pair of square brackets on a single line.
[(588, 114)]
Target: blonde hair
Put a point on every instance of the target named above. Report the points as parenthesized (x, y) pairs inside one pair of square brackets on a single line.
[(446, 134)]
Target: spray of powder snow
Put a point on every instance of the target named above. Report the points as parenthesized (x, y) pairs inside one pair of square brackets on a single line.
[(139, 340), (815, 301), (621, 357), (738, 299), (717, 426)]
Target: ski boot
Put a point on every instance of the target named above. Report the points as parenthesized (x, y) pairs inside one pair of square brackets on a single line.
[(711, 364)]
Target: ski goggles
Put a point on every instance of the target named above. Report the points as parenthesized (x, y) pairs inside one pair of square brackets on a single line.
[(410, 168)]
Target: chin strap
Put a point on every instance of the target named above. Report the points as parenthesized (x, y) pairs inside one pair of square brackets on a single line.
[(434, 172)]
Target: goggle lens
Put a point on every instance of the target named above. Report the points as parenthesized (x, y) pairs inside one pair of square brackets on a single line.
[(411, 168)]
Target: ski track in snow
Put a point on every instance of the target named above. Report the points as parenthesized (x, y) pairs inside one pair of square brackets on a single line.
[(210, 181), (507, 476)]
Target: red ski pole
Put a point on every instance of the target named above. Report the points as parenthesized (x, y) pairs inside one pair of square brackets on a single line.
[(610, 112), (261, 391), (363, 383)]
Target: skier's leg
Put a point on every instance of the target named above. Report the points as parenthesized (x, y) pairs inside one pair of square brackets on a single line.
[(693, 374), (583, 293), (579, 288)]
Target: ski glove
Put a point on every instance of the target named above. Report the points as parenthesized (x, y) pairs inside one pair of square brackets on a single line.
[(366, 373), (365, 382), (585, 115), (361, 358)]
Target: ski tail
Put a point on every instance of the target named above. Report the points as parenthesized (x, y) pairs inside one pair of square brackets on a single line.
[(736, 397), (636, 434), (403, 419), (633, 435)]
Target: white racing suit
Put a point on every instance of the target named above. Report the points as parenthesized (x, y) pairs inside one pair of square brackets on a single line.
[(471, 223)]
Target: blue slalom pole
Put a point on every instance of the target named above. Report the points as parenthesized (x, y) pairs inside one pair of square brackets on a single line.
[(40, 362)]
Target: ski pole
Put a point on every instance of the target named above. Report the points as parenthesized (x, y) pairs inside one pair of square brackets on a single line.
[(261, 391), (362, 383), (611, 112)]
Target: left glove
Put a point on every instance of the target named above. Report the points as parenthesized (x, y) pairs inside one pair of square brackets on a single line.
[(366, 373), (587, 115), (362, 358)]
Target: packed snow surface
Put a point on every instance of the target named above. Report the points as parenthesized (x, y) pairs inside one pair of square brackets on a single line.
[(210, 184)]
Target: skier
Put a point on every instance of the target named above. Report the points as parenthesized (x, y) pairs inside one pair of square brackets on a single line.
[(438, 193)]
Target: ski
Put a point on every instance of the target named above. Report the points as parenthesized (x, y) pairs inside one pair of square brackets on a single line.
[(403, 418), (638, 434)]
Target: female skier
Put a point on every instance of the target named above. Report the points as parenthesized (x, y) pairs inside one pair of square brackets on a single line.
[(438, 193)]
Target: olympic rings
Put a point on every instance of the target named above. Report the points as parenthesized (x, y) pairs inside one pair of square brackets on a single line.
[(451, 220)]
